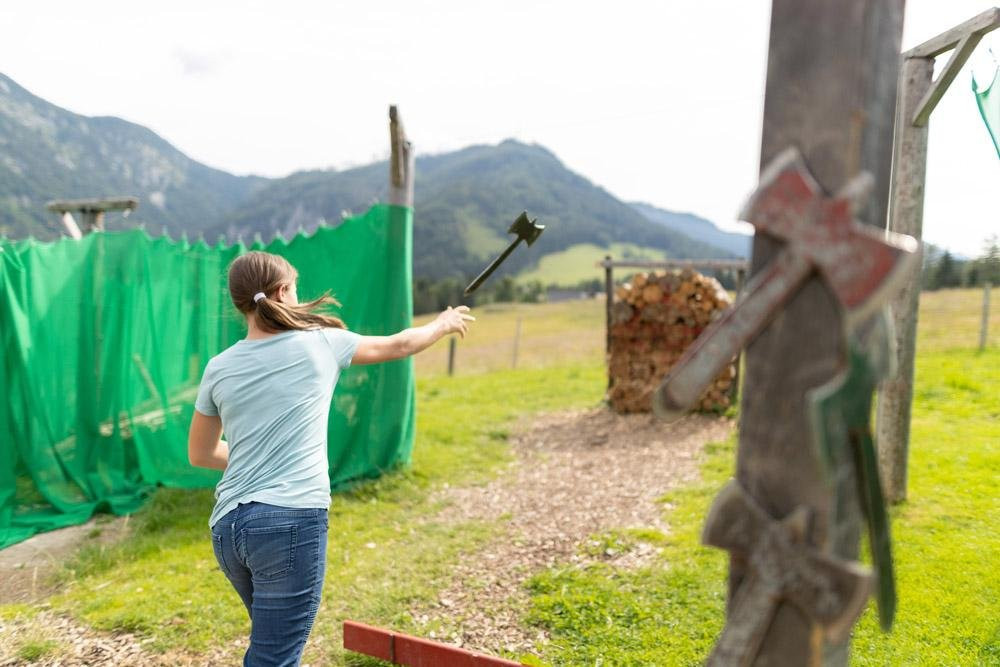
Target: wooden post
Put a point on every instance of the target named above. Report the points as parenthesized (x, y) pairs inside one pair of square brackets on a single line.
[(830, 92), (451, 356), (517, 341), (401, 162), (609, 295), (918, 94), (906, 217), (985, 325)]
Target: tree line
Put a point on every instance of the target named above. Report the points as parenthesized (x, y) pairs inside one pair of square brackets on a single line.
[(942, 270)]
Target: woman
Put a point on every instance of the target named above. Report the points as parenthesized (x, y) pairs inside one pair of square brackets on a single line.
[(270, 393)]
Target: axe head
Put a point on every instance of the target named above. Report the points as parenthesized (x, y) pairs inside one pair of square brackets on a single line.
[(862, 264), (735, 521), (526, 230)]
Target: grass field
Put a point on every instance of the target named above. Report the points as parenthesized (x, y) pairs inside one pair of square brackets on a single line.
[(389, 552), (577, 263)]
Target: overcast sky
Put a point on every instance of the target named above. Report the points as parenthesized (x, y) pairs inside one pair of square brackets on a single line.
[(654, 101)]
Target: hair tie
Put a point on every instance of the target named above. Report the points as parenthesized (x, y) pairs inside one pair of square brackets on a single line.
[(258, 296)]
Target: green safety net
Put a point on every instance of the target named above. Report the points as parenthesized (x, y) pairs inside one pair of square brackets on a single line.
[(104, 341), (989, 107)]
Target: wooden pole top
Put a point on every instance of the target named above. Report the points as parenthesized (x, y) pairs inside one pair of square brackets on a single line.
[(94, 205)]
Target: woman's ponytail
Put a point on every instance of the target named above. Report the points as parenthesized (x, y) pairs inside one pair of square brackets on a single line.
[(254, 281)]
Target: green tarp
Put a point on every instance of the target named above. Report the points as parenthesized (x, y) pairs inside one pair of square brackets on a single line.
[(989, 107), (104, 341)]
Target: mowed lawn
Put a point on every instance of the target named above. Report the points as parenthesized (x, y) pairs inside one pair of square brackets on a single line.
[(389, 553)]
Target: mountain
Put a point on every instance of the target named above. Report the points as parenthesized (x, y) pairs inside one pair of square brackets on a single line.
[(697, 228), (464, 202), (47, 152)]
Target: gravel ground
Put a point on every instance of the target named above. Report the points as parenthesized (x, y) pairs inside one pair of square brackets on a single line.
[(577, 474)]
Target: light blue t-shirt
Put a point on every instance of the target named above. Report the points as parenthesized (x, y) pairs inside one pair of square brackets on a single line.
[(273, 395)]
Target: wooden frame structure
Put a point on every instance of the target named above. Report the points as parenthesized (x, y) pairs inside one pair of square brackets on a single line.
[(918, 94), (91, 212)]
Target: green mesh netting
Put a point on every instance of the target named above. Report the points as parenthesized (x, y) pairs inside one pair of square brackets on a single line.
[(989, 107), (104, 341)]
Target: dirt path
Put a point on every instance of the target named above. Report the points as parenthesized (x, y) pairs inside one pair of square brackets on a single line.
[(577, 474)]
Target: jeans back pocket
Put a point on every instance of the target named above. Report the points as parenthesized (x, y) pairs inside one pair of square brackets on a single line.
[(270, 550)]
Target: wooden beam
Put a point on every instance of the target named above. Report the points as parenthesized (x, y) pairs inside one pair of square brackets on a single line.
[(981, 24), (94, 205), (734, 264), (958, 59)]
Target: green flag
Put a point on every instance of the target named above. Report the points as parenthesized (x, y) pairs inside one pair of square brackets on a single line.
[(989, 106)]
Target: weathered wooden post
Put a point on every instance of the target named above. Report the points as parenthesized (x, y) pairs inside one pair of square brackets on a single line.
[(830, 94), (918, 94), (401, 162)]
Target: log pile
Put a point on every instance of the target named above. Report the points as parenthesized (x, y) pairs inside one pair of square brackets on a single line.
[(654, 318)]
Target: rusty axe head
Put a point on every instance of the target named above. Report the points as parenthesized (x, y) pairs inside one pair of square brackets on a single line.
[(861, 264), (830, 590)]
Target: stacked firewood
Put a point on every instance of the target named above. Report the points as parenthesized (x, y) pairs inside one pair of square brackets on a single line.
[(654, 318)]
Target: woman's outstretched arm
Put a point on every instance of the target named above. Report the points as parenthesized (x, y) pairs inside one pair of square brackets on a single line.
[(376, 349)]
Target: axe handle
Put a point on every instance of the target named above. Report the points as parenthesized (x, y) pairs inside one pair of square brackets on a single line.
[(722, 340), (492, 267)]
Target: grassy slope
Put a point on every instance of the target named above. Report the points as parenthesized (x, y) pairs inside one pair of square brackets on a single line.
[(577, 263)]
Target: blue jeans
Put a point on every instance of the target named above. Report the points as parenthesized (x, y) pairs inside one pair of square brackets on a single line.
[(275, 558)]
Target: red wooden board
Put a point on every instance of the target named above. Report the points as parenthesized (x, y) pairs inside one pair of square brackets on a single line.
[(413, 651)]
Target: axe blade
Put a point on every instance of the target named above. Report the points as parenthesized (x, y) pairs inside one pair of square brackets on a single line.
[(832, 591), (735, 520)]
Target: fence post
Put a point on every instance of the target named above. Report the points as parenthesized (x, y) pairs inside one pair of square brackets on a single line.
[(517, 341), (451, 356), (985, 325), (609, 295)]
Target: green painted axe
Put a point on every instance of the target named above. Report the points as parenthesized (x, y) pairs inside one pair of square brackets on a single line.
[(526, 230)]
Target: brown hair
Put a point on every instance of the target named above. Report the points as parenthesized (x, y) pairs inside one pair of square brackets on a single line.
[(263, 272)]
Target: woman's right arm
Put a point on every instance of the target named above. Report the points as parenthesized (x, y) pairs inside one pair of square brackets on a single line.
[(206, 448), (376, 349)]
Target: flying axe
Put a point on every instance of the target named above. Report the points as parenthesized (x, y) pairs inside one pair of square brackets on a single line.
[(526, 230)]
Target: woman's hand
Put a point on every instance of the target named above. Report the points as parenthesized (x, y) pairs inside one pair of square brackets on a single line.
[(455, 320)]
